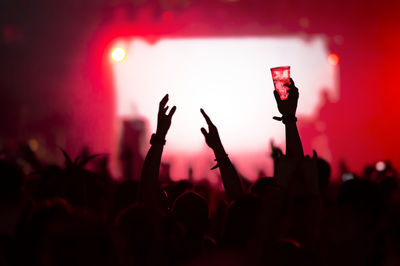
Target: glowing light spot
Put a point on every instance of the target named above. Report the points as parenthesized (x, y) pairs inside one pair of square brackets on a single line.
[(333, 59), (380, 166), (118, 54), (168, 16), (33, 144)]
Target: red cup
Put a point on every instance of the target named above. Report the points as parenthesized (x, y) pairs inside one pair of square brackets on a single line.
[(281, 76)]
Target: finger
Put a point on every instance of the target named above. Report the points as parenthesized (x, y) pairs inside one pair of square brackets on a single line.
[(315, 155), (277, 97), (208, 120), (290, 85), (171, 112), (204, 131), (164, 101)]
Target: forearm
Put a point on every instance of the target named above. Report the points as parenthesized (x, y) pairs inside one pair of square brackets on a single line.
[(150, 172), (230, 177), (151, 166), (294, 147)]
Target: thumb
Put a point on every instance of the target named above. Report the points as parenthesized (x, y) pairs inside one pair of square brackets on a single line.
[(204, 131)]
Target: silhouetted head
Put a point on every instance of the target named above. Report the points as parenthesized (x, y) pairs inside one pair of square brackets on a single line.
[(138, 224), (262, 186), (191, 210), (241, 221), (204, 189), (79, 242), (174, 190), (37, 225), (388, 187), (361, 195), (124, 196), (11, 180), (140, 233)]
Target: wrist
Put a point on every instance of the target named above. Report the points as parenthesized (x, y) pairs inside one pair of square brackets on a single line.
[(287, 119), (219, 151), (160, 135), (220, 159), (157, 139)]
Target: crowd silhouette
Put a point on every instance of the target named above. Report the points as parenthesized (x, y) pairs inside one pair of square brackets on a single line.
[(69, 215)]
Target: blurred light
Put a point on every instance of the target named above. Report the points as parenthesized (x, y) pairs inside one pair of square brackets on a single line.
[(168, 16), (380, 166), (333, 59), (347, 177), (33, 144), (118, 54)]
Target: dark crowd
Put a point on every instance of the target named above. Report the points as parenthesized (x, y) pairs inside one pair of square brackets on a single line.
[(75, 215)]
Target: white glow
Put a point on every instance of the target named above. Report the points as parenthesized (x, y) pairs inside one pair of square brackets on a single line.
[(230, 78), (118, 54), (380, 166)]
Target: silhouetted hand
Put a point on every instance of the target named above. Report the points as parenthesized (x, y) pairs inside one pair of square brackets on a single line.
[(288, 107), (164, 119), (276, 152), (212, 136), (230, 178), (148, 192)]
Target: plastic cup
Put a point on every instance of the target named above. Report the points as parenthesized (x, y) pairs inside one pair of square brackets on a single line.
[(281, 76)]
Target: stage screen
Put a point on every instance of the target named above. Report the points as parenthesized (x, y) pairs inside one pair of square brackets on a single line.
[(230, 79)]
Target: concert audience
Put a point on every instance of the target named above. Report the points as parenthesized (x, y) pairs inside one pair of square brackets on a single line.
[(69, 215)]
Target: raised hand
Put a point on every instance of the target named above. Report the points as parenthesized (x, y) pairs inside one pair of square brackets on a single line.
[(230, 177), (151, 166), (276, 152), (164, 119), (288, 107), (212, 137)]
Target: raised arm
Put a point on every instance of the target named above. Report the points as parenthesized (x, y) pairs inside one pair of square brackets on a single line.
[(151, 165), (307, 206), (230, 178), (288, 109)]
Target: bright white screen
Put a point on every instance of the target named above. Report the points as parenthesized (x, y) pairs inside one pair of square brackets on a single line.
[(231, 80)]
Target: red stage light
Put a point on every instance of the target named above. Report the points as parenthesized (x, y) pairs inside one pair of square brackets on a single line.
[(380, 166), (333, 59), (118, 54)]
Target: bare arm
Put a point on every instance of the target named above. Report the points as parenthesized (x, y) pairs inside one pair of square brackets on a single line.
[(230, 178), (151, 165), (287, 108), (307, 212)]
